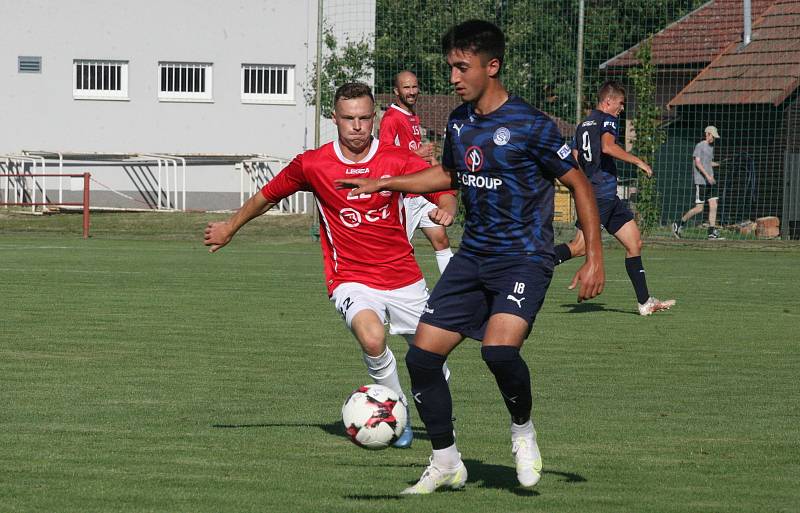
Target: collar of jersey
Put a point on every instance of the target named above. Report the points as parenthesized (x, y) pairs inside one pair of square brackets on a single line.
[(401, 109), (471, 108), (338, 150)]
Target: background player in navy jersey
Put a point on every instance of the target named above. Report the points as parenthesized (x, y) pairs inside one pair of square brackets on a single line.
[(595, 148), (504, 155)]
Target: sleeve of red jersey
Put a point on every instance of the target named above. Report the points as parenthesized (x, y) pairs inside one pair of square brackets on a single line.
[(388, 130), (415, 164), (290, 180)]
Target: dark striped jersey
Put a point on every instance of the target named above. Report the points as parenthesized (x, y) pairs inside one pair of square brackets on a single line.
[(506, 164), (600, 168)]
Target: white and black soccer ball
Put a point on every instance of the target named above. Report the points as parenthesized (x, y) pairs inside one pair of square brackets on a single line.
[(374, 417)]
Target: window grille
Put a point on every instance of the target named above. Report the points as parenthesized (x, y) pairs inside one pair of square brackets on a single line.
[(267, 83), (100, 79)]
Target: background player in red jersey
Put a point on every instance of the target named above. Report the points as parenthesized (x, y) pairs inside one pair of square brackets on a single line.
[(400, 126), (369, 263)]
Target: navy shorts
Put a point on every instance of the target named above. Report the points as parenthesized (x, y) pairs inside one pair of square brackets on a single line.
[(614, 214), (474, 287)]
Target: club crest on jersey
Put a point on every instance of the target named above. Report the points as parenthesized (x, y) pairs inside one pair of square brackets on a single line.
[(564, 151), (501, 136), (473, 158)]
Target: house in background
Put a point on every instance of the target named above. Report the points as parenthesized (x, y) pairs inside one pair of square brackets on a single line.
[(750, 92), (705, 76)]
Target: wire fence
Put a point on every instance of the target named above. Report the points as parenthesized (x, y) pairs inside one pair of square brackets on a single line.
[(730, 64)]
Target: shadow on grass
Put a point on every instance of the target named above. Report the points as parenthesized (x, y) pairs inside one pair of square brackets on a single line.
[(588, 307), (484, 475)]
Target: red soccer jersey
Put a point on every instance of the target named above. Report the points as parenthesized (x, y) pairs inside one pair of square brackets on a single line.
[(401, 128), (363, 238)]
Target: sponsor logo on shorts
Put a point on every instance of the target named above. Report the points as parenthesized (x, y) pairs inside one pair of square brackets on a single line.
[(427, 309), (517, 301)]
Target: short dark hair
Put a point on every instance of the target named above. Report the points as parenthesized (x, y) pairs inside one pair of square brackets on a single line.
[(352, 90), (610, 88), (476, 36)]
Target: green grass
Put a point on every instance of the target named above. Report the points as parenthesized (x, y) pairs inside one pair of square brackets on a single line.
[(140, 373)]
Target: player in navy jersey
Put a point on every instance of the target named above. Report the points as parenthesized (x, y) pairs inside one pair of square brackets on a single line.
[(595, 148), (504, 155)]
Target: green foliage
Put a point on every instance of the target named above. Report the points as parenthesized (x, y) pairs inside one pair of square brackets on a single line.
[(354, 61), (649, 135), (541, 42)]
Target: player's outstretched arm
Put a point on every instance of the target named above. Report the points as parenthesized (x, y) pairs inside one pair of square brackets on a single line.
[(591, 275), (433, 179), (611, 148), (220, 233)]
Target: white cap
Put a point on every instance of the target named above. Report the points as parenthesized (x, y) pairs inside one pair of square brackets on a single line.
[(711, 129)]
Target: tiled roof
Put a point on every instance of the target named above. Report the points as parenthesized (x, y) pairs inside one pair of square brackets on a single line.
[(765, 71), (696, 38)]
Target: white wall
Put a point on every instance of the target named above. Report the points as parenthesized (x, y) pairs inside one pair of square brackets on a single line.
[(38, 111)]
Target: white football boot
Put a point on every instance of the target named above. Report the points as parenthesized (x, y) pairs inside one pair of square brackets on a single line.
[(435, 477)]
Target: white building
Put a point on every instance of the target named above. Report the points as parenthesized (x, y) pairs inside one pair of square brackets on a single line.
[(102, 81)]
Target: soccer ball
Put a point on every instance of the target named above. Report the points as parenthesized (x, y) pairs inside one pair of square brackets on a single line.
[(374, 417)]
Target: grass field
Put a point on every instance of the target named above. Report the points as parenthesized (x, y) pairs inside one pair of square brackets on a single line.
[(140, 373)]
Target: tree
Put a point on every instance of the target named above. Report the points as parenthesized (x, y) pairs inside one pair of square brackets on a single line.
[(352, 62), (649, 135)]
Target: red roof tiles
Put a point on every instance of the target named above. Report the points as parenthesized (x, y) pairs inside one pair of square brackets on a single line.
[(696, 38), (765, 71)]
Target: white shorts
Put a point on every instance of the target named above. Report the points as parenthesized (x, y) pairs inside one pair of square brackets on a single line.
[(417, 209), (400, 307)]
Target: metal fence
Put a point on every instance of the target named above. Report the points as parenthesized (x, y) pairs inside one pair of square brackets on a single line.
[(731, 64)]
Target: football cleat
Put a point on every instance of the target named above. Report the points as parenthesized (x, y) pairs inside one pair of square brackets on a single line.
[(655, 305), (529, 462), (404, 442), (434, 478)]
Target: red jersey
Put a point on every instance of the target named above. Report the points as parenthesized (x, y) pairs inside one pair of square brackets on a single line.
[(401, 128), (363, 238)]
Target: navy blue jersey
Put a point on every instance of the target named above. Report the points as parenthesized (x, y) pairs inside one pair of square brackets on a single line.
[(506, 163), (599, 167)]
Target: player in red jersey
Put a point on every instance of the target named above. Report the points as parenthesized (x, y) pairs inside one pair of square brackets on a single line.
[(370, 270), (400, 126)]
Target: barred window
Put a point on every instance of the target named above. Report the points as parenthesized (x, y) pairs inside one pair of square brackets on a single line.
[(267, 83), (100, 79), (185, 81)]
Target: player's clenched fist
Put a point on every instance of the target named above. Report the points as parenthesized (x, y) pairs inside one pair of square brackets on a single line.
[(440, 217)]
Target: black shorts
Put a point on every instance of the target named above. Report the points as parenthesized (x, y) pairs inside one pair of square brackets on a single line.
[(705, 192), (475, 287), (614, 214)]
